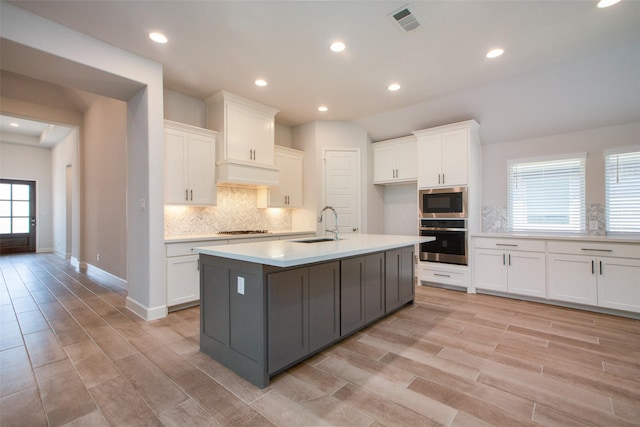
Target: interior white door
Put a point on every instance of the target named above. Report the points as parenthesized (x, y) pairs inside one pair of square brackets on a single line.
[(342, 189)]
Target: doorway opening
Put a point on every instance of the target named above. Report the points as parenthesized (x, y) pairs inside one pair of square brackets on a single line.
[(17, 216)]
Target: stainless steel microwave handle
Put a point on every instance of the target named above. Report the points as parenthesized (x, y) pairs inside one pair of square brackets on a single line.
[(442, 229)]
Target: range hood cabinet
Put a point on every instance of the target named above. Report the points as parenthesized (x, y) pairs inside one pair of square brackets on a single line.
[(246, 143)]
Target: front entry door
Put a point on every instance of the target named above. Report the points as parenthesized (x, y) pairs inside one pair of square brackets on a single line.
[(342, 189), (17, 216)]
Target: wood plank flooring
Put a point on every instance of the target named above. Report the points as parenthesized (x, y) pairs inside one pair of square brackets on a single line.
[(71, 354)]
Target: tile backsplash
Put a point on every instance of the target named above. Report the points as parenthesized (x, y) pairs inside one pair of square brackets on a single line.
[(495, 219), (236, 210)]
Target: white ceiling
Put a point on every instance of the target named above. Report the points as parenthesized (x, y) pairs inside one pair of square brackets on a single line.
[(31, 132), (216, 45)]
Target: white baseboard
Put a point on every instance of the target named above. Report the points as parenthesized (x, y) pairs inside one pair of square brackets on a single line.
[(44, 250), (93, 269), (144, 312)]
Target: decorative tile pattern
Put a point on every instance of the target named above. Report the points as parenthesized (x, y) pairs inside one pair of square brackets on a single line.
[(495, 219), (596, 212), (236, 210)]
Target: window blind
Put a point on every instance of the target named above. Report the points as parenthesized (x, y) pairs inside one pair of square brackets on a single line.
[(547, 195), (622, 188)]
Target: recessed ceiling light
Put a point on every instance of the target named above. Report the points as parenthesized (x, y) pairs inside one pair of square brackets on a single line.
[(323, 108), (338, 46), (393, 87), (494, 53), (158, 37), (15, 125), (607, 3), (261, 82)]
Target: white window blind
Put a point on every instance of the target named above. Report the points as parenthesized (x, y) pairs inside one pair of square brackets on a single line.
[(622, 188), (547, 195)]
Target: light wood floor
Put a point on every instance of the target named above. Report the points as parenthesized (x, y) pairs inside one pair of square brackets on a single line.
[(71, 354)]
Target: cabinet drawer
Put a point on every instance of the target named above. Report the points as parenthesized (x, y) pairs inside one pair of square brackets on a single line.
[(187, 248), (443, 273), (509, 244), (622, 250)]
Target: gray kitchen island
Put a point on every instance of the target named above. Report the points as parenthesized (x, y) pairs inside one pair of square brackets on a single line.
[(265, 306)]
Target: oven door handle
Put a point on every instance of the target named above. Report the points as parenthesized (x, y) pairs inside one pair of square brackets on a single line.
[(441, 229)]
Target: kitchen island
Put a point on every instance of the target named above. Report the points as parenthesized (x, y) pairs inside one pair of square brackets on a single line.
[(266, 306)]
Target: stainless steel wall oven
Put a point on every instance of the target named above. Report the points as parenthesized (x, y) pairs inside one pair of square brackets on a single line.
[(450, 245)]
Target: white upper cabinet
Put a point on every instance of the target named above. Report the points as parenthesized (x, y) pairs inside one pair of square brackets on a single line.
[(245, 152), (395, 160), (288, 194), (448, 156), (190, 158)]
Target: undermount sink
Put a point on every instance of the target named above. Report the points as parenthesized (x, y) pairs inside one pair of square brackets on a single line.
[(318, 240)]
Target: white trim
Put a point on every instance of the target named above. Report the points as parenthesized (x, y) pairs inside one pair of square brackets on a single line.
[(93, 269), (146, 313), (622, 150), (581, 155), (44, 250)]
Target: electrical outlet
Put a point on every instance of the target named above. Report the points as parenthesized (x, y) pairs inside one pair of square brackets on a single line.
[(97, 257), (593, 225), (497, 225), (241, 285)]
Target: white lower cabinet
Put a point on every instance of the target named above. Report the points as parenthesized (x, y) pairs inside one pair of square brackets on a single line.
[(183, 272), (619, 283), (572, 278), (580, 273), (512, 266), (444, 274)]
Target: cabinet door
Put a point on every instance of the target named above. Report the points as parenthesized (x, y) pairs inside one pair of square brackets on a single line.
[(202, 180), (430, 160), (288, 317), (572, 278), (295, 181), (374, 287), (490, 270), (351, 294), (276, 195), (393, 298), (526, 274), (262, 131), (183, 280), (407, 275), (324, 304), (384, 164), (406, 161), (618, 283), (238, 132), (175, 166), (454, 157)]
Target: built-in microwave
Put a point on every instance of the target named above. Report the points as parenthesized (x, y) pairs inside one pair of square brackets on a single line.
[(443, 202)]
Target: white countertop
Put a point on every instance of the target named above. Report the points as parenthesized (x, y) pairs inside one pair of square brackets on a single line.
[(288, 253), (572, 237), (180, 239)]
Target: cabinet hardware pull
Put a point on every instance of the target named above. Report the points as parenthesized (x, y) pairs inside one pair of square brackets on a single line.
[(507, 244), (438, 178), (443, 178), (593, 267), (441, 275), (504, 259), (597, 250), (186, 194), (601, 268), (509, 259), (192, 195), (198, 265)]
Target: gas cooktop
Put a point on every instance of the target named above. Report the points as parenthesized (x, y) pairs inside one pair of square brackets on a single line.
[(243, 232)]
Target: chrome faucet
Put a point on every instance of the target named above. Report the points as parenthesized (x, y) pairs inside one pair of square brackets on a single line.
[(335, 214)]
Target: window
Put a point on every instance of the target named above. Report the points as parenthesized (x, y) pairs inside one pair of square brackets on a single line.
[(547, 195), (14, 207), (622, 191)]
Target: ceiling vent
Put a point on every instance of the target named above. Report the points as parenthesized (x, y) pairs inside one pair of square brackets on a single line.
[(406, 18)]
